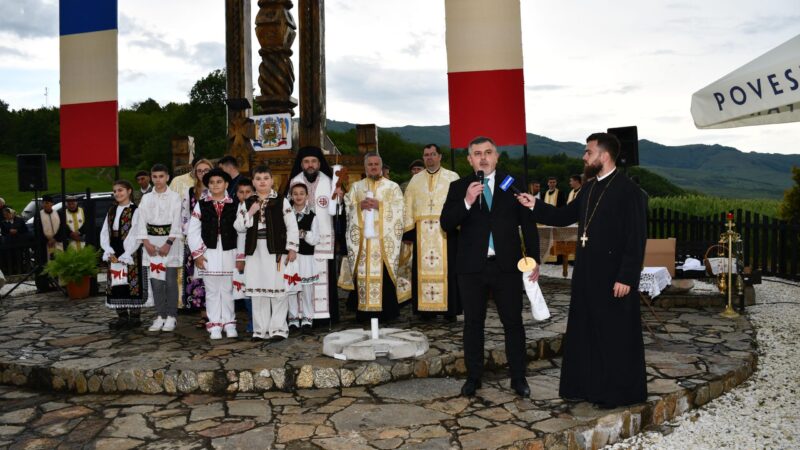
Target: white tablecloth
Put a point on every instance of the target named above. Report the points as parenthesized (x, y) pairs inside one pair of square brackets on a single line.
[(653, 280)]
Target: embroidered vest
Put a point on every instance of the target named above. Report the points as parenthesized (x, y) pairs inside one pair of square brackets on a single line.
[(305, 224), (275, 227), (213, 225)]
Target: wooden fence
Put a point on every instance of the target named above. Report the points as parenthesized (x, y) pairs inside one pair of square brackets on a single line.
[(769, 244)]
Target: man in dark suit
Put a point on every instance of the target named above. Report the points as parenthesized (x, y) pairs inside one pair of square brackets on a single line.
[(489, 248)]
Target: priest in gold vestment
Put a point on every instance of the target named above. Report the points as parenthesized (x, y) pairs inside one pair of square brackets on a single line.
[(434, 292), (373, 246)]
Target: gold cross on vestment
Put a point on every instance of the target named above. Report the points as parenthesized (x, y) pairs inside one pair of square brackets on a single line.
[(432, 293), (432, 259)]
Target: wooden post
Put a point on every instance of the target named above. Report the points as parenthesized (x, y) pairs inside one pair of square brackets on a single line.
[(275, 30), (367, 138), (312, 73), (239, 86)]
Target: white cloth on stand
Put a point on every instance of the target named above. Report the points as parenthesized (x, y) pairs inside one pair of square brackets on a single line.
[(369, 220), (534, 293)]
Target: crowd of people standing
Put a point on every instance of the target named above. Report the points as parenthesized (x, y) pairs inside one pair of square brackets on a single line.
[(443, 243)]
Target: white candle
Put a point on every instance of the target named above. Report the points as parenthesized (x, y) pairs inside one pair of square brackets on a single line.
[(375, 334)]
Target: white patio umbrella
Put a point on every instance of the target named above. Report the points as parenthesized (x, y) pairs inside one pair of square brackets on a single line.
[(763, 91)]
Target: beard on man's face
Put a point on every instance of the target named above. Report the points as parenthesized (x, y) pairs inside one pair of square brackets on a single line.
[(591, 170), (311, 174)]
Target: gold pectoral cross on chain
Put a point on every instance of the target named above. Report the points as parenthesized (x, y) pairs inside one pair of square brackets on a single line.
[(584, 238)]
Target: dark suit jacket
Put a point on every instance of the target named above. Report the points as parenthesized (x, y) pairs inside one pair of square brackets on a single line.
[(504, 220)]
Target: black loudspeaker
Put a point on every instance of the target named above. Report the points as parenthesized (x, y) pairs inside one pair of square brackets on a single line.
[(32, 172), (629, 145)]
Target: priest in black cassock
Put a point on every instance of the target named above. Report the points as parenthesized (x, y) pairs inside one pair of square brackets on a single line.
[(603, 355)]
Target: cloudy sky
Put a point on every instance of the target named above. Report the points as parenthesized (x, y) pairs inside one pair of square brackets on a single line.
[(588, 65)]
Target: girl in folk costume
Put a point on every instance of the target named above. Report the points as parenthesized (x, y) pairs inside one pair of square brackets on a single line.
[(193, 294), (301, 307), (213, 242), (271, 242), (123, 252)]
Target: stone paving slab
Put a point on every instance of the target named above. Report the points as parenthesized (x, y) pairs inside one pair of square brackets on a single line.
[(416, 413), (49, 342), (242, 395)]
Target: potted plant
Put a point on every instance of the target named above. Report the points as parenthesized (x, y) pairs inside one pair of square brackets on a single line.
[(74, 267)]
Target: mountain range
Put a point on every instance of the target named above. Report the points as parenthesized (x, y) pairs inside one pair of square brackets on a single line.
[(711, 169)]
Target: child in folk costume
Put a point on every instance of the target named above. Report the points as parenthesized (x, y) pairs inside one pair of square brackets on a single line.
[(244, 190), (213, 243), (301, 307), (126, 288), (160, 232), (271, 242)]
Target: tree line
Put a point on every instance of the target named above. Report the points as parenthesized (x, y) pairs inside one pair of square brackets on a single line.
[(147, 128)]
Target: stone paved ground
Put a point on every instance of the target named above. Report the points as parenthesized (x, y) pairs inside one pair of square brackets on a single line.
[(700, 358), (49, 342)]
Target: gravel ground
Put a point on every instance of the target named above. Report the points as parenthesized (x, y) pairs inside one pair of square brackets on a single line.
[(762, 413)]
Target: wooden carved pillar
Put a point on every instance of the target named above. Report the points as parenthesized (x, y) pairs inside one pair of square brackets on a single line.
[(239, 81), (312, 72), (275, 30)]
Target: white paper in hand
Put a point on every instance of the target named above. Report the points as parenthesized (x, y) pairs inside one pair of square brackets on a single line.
[(534, 293)]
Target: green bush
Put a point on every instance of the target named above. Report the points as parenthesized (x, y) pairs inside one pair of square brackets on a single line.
[(72, 265)]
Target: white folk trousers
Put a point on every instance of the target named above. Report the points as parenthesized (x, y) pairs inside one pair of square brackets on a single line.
[(269, 316), (219, 301)]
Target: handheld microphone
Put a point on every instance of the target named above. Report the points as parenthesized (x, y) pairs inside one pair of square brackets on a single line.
[(508, 183), (480, 179)]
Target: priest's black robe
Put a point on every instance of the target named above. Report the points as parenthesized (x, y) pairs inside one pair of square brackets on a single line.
[(603, 352)]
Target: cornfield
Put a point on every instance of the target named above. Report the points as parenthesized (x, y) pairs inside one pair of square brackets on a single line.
[(702, 206)]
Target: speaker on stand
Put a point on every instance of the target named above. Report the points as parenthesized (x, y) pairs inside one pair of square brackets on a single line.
[(32, 177), (32, 173), (629, 145)]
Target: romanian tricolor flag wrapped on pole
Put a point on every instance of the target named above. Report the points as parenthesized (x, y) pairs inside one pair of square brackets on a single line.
[(88, 48), (484, 64)]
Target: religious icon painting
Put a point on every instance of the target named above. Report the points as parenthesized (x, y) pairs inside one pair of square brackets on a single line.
[(273, 132)]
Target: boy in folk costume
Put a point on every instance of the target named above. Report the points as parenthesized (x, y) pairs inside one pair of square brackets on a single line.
[(213, 241), (301, 307), (160, 232), (271, 242), (119, 244)]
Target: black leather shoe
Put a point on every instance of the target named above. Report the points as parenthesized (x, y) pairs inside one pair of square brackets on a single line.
[(520, 386), (469, 387), (134, 323)]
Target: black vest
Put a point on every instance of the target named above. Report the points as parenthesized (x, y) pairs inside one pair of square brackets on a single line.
[(276, 228), (305, 224), (213, 226)]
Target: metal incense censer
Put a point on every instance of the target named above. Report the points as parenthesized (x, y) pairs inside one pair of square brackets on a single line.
[(732, 242)]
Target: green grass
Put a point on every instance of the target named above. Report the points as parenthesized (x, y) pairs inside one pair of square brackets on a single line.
[(699, 205), (98, 179)]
